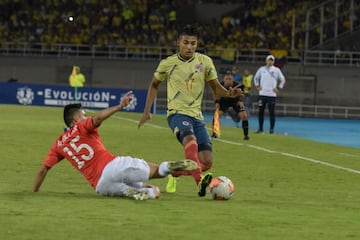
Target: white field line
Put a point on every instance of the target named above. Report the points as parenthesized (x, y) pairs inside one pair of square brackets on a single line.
[(259, 148), (321, 162), (136, 121), (349, 155)]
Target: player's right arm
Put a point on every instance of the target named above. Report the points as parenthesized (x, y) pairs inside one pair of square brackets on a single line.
[(40, 176), (52, 158), (256, 79), (152, 93)]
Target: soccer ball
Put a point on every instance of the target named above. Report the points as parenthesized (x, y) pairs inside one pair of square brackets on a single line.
[(221, 188)]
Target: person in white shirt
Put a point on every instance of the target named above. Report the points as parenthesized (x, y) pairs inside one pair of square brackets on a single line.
[(268, 81)]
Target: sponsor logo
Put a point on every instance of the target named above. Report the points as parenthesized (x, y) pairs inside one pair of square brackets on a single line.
[(132, 104), (199, 68), (55, 97), (25, 95), (185, 123)]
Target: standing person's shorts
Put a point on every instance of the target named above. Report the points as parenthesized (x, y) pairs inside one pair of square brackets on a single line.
[(225, 105), (181, 125)]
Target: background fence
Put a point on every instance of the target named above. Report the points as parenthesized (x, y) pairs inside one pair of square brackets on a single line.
[(319, 83)]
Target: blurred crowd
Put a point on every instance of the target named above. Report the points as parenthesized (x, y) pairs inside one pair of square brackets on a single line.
[(255, 24)]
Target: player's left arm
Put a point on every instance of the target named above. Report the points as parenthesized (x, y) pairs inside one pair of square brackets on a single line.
[(281, 79), (102, 115), (281, 83), (220, 90)]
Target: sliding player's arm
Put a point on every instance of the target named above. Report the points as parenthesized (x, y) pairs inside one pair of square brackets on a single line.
[(52, 158), (40, 176), (102, 115)]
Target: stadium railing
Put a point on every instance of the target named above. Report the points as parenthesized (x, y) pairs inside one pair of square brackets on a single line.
[(144, 53), (305, 57), (289, 110)]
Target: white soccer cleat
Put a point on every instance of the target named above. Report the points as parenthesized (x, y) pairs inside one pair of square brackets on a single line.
[(136, 194), (182, 165)]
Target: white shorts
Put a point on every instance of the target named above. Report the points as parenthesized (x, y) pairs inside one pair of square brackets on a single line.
[(122, 173)]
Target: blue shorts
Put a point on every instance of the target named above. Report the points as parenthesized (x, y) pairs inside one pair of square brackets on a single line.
[(180, 122)]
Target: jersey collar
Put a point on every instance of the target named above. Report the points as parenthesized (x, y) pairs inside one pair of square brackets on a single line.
[(184, 60)]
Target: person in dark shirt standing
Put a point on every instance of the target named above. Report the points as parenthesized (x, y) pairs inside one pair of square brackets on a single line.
[(233, 106)]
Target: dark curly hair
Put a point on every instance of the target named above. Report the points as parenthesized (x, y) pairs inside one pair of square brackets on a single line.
[(189, 30), (69, 111)]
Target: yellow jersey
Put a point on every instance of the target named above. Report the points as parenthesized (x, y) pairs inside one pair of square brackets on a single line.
[(247, 81), (186, 82)]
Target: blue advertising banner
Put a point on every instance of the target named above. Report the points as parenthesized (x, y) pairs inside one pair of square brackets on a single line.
[(52, 95)]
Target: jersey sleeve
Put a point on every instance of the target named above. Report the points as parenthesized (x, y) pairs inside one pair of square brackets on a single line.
[(211, 72), (257, 77), (88, 125), (53, 157), (161, 71), (282, 79)]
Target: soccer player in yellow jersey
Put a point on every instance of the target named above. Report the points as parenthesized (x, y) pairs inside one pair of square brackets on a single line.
[(186, 73)]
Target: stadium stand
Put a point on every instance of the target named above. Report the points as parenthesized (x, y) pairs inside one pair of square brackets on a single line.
[(147, 29), (251, 24), (306, 36)]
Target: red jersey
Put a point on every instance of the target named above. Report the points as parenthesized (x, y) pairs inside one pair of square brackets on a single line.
[(81, 145)]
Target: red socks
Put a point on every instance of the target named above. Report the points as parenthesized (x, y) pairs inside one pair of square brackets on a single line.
[(191, 152)]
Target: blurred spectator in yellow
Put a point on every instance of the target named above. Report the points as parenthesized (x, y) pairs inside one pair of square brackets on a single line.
[(247, 81), (77, 79)]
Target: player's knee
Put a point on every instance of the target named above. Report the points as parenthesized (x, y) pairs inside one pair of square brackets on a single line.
[(184, 134), (243, 114), (205, 147), (206, 165), (205, 156)]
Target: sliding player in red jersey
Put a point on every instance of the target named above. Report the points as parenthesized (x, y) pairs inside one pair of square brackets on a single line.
[(108, 174)]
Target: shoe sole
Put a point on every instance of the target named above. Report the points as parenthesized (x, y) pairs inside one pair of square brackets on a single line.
[(182, 165), (204, 184)]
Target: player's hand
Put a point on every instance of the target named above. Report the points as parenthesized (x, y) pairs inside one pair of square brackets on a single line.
[(276, 90), (145, 117), (235, 92), (241, 105), (155, 189), (126, 99)]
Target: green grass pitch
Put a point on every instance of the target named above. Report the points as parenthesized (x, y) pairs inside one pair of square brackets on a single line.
[(285, 188)]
